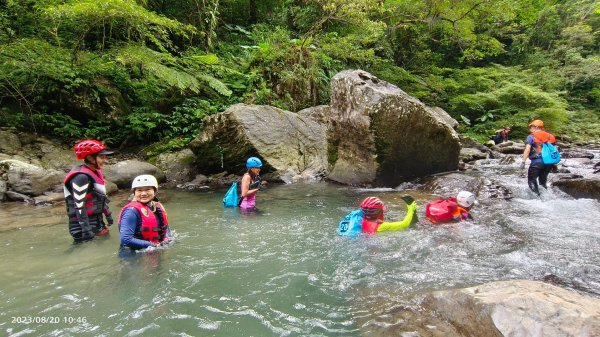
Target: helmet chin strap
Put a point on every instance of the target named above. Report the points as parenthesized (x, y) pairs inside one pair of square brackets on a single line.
[(90, 164)]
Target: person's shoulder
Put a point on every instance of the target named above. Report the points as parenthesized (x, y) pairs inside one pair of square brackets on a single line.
[(128, 211), (529, 139)]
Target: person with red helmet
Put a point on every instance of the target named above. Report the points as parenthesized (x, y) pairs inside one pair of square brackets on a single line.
[(538, 171), (85, 192), (372, 215)]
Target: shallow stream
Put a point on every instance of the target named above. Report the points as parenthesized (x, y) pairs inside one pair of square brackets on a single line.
[(284, 272)]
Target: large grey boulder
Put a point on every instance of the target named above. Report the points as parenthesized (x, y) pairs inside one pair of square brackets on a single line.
[(29, 179), (292, 144), (178, 166), (517, 308), (379, 134), (122, 173), (9, 141)]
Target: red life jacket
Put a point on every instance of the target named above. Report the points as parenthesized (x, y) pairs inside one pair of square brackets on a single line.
[(151, 229), (540, 137), (370, 226), (95, 195), (445, 210)]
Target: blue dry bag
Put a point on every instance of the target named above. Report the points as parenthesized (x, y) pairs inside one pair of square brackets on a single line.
[(351, 224), (231, 197), (550, 154)]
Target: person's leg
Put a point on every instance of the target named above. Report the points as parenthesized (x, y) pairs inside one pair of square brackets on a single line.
[(543, 177), (532, 176)]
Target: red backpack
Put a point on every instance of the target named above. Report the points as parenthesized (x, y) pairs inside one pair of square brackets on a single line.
[(442, 210)]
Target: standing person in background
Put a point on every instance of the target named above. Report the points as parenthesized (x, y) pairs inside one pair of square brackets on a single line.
[(251, 184), (85, 192), (143, 222), (538, 171)]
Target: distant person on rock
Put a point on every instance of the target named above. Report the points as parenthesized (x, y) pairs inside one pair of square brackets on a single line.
[(538, 171), (251, 184), (501, 136), (85, 192), (143, 222), (369, 219), (451, 209)]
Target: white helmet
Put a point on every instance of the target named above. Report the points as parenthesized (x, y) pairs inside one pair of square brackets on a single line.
[(143, 181), (465, 199)]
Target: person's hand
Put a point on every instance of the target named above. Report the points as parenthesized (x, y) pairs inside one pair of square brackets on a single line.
[(522, 165), (408, 199), (255, 185), (109, 219)]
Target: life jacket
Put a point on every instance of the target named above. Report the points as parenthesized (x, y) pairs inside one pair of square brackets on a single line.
[(151, 229), (95, 195), (540, 137), (445, 210), (371, 225)]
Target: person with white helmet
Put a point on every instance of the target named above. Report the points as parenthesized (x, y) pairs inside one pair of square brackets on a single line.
[(451, 209), (251, 183), (143, 222)]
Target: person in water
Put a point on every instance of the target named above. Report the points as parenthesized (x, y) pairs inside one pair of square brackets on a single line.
[(251, 184), (538, 171), (143, 222), (85, 192), (373, 221), (451, 209)]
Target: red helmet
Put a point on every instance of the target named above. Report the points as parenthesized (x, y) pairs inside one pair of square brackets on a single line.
[(89, 146), (372, 205)]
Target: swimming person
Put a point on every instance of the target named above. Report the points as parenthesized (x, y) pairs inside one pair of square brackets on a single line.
[(370, 218), (451, 209)]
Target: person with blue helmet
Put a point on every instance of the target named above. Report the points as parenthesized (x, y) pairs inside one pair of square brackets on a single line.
[(251, 184)]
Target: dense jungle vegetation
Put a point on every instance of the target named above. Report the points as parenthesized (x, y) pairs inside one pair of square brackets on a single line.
[(134, 72)]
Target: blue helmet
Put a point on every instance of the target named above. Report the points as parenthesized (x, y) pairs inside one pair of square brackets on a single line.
[(253, 162)]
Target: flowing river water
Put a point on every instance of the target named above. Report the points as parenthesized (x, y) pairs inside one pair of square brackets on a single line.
[(285, 271)]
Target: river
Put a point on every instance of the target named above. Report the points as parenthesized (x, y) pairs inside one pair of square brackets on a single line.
[(285, 271)]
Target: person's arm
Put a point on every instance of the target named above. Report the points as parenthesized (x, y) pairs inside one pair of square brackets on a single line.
[(80, 184), (411, 210), (127, 225), (107, 212), (526, 152), (246, 191)]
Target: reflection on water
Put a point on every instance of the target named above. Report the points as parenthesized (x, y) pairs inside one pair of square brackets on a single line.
[(285, 272)]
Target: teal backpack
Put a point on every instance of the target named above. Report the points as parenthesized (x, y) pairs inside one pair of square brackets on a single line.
[(550, 154), (231, 197), (351, 224)]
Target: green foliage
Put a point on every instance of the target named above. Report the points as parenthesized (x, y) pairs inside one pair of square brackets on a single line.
[(97, 24), (140, 71)]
